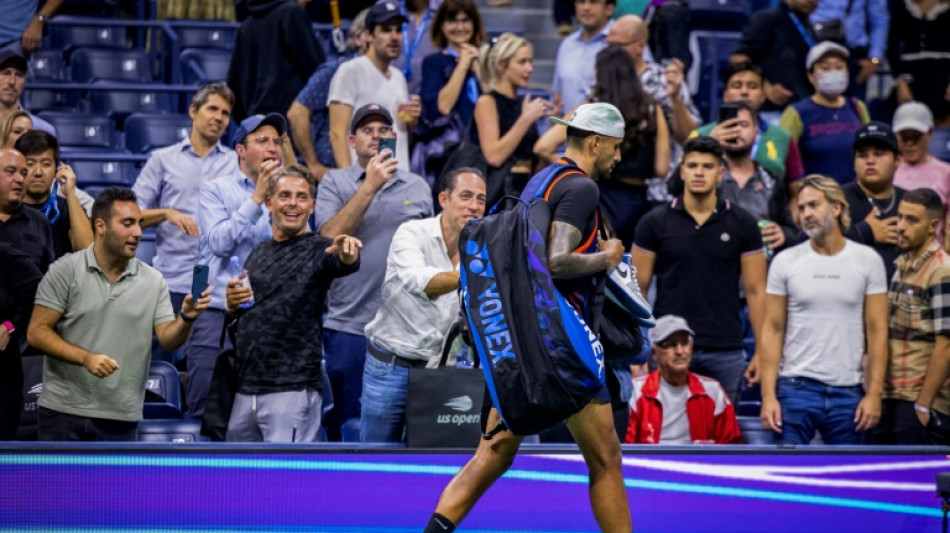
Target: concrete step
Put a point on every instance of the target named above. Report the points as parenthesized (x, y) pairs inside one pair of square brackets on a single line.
[(545, 46), (547, 4), (533, 21)]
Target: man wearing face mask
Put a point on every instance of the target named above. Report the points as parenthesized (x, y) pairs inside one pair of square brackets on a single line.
[(824, 124)]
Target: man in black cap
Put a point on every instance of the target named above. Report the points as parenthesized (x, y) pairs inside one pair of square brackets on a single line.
[(873, 198), (367, 200), (13, 69), (372, 79), (232, 220)]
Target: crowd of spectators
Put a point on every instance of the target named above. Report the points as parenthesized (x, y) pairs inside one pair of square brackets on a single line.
[(768, 234)]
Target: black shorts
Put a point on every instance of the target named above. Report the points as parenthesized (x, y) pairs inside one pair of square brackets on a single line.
[(603, 395)]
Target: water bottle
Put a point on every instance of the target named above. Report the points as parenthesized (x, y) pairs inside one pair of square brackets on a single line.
[(765, 247), (236, 271)]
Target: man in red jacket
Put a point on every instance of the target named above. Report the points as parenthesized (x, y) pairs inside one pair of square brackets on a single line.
[(674, 406)]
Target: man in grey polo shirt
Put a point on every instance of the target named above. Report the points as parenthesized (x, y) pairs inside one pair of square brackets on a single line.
[(369, 201), (94, 317)]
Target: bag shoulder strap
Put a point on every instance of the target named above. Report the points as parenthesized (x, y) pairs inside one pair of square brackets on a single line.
[(548, 186)]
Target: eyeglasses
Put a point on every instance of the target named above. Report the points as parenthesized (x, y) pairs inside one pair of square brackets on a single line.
[(278, 141), (672, 343), (459, 21)]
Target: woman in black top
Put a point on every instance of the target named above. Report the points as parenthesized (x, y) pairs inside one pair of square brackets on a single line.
[(19, 278), (506, 125), (645, 152), (918, 50)]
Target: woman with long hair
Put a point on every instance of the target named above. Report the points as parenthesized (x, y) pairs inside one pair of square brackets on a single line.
[(506, 125), (12, 125), (645, 152)]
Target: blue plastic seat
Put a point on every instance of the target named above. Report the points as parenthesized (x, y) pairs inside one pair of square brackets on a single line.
[(753, 432), (46, 65), (120, 104), (106, 64), (146, 253), (170, 431), (103, 172), (714, 50), (66, 37), (720, 15), (37, 100), (206, 37), (76, 131), (202, 66), (144, 133), (940, 143), (162, 391)]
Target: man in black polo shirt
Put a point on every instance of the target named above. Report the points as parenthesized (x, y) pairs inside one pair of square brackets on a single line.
[(278, 348), (24, 228), (699, 245), (70, 225)]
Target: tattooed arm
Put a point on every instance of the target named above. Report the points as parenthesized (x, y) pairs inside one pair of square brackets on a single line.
[(565, 263)]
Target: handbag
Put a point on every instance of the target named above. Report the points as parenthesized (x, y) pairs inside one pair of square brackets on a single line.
[(833, 30), (444, 404)]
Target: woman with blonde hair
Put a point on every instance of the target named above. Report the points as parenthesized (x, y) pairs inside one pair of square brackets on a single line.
[(12, 125), (506, 125)]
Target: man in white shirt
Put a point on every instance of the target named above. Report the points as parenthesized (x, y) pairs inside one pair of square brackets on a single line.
[(419, 304), (371, 79), (821, 298)]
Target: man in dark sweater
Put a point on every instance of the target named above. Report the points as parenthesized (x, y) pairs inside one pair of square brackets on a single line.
[(873, 198), (278, 347), (275, 52)]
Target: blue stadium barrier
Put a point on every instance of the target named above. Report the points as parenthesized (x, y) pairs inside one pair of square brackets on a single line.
[(144, 133), (39, 100), (68, 32)]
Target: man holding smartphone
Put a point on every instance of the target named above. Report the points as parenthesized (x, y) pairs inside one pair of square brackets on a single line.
[(368, 200)]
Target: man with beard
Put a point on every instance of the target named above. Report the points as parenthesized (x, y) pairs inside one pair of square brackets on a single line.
[(278, 349), (94, 317), (916, 395), (594, 136), (873, 198), (419, 304), (822, 296), (371, 79), (699, 245)]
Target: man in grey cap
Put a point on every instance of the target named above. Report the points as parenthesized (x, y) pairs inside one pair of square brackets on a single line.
[(231, 222), (672, 405), (368, 200), (914, 126), (577, 256)]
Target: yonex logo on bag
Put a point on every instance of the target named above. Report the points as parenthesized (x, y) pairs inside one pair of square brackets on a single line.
[(460, 403), (481, 264), (495, 330)]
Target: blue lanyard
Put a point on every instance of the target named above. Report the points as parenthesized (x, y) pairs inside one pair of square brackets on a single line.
[(801, 30), (471, 86), (51, 207), (407, 50)]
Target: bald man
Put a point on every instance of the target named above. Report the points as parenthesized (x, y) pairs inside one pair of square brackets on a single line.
[(666, 86), (24, 228)]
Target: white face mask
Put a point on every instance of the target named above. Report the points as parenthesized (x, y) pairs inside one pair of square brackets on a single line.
[(832, 82)]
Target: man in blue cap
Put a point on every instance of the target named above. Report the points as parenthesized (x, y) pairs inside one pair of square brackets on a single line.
[(231, 222)]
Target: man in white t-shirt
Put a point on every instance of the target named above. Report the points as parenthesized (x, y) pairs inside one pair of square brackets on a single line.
[(370, 79), (821, 298)]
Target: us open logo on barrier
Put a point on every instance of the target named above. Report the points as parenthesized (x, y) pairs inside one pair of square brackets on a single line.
[(462, 404)]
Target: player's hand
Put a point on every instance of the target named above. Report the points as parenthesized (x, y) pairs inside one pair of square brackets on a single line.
[(614, 250), (100, 365)]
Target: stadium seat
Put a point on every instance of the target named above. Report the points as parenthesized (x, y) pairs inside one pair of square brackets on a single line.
[(748, 408), (753, 432), (103, 172), (162, 391), (206, 37), (146, 251), (120, 104), (104, 64), (203, 66), (144, 133), (350, 430), (719, 15), (713, 60), (38, 100), (940, 143), (46, 65), (67, 37), (170, 431), (82, 131)]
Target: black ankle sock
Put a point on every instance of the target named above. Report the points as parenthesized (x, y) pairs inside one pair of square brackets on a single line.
[(439, 524)]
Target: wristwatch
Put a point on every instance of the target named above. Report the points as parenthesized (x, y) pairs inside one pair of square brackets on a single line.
[(42, 18), (875, 60)]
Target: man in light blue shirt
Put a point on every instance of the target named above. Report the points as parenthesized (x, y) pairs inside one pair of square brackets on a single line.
[(866, 24), (231, 222), (574, 66), (167, 188)]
